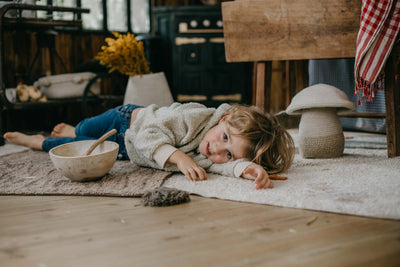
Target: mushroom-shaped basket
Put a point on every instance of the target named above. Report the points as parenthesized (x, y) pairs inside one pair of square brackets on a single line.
[(320, 130)]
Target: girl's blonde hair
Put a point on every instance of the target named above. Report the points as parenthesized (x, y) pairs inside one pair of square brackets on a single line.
[(271, 146)]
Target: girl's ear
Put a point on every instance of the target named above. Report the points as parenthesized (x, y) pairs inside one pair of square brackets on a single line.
[(224, 118)]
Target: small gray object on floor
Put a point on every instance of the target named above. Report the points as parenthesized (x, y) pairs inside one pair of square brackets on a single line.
[(163, 196)]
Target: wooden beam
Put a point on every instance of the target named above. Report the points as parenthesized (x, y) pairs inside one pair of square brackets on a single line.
[(392, 101), (262, 84)]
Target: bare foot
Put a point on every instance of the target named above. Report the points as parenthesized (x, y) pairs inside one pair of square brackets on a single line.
[(31, 141), (63, 130)]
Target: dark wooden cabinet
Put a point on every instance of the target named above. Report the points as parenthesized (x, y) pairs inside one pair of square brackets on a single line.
[(193, 56), (28, 51)]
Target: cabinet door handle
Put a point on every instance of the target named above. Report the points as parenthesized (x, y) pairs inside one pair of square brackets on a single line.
[(219, 40), (183, 28), (184, 41)]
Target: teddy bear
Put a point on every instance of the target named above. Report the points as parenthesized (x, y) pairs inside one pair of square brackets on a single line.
[(31, 93)]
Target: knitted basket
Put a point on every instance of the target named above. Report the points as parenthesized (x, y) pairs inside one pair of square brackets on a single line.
[(320, 134), (320, 130)]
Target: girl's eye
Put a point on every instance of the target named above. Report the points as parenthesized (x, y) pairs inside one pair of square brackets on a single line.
[(225, 137), (229, 155)]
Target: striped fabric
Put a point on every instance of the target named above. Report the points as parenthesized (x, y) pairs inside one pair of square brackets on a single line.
[(379, 25)]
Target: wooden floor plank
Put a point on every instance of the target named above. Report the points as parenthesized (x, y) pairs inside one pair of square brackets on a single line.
[(107, 231)]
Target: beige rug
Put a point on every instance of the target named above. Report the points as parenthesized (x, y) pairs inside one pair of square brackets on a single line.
[(363, 182), (32, 173)]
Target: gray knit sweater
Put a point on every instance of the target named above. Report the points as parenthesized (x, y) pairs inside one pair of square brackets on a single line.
[(158, 132)]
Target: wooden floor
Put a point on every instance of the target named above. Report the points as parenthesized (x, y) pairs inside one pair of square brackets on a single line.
[(106, 231)]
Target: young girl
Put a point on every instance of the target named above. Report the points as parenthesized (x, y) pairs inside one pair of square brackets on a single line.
[(230, 140)]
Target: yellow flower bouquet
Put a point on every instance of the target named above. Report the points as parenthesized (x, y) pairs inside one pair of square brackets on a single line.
[(124, 54)]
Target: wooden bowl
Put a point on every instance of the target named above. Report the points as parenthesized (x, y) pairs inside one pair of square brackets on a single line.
[(71, 161)]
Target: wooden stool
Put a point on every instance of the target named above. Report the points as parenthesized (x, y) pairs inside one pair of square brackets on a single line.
[(261, 31), (392, 100)]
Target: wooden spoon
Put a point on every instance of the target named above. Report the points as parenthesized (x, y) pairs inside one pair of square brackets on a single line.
[(99, 141)]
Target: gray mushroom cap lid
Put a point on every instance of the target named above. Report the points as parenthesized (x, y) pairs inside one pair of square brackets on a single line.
[(320, 96)]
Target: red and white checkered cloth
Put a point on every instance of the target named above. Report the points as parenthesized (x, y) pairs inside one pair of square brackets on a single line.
[(380, 23)]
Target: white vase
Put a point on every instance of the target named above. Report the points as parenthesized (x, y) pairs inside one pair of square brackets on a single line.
[(148, 89)]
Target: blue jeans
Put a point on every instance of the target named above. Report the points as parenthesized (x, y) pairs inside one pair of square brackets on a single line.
[(92, 128)]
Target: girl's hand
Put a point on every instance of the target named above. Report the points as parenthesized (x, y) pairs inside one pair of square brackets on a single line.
[(191, 169), (259, 175), (188, 166)]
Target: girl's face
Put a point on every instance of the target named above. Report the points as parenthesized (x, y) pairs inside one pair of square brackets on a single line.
[(220, 144)]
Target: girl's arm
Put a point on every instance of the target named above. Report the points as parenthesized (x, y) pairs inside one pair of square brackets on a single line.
[(187, 166)]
